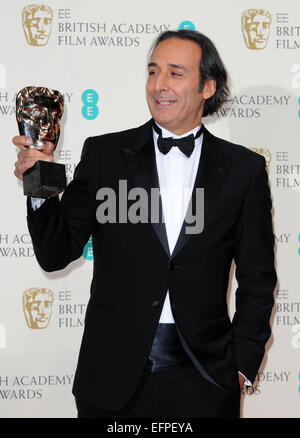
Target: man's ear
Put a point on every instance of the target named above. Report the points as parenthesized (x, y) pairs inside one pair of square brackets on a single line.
[(209, 88)]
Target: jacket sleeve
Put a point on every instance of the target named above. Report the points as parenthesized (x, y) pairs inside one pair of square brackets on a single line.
[(255, 274), (60, 229)]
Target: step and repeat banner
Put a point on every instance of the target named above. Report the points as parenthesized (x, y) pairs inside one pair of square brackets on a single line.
[(95, 53)]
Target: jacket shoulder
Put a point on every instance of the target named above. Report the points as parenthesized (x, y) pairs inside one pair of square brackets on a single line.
[(237, 151), (124, 135)]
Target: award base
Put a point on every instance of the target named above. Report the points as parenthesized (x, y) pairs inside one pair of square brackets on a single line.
[(44, 180)]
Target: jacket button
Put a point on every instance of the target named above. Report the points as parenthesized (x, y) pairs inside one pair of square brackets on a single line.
[(171, 266), (155, 303)]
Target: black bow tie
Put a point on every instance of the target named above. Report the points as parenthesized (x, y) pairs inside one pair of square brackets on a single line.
[(185, 144)]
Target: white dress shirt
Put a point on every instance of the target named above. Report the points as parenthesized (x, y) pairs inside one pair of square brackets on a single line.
[(176, 174)]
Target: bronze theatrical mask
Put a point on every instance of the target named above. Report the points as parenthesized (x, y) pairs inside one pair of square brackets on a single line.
[(38, 112)]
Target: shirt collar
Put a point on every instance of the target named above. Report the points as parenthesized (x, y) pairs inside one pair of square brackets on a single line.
[(166, 133)]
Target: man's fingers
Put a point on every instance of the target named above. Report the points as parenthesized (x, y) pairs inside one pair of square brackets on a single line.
[(241, 380), (25, 142), (48, 148), (22, 166), (21, 141), (27, 158), (34, 154)]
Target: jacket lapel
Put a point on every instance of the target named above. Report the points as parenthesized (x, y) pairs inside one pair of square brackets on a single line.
[(212, 170), (140, 158)]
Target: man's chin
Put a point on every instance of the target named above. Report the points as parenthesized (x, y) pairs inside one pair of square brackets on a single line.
[(165, 123), (162, 118)]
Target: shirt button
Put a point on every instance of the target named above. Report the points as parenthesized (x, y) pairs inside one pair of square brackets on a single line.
[(155, 303)]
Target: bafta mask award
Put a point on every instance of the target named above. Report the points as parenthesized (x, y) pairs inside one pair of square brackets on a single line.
[(38, 112)]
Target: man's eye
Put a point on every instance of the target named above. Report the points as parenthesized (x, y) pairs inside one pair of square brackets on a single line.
[(174, 73), (151, 73)]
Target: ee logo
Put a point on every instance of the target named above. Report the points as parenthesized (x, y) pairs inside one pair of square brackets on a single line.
[(90, 109), (187, 25), (88, 250)]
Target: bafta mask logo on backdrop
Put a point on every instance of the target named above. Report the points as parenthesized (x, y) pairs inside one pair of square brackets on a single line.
[(36, 20), (37, 307), (256, 25), (265, 153)]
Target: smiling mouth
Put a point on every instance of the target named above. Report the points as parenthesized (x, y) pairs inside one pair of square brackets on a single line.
[(164, 103)]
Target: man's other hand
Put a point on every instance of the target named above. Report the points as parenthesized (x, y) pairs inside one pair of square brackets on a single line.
[(241, 381)]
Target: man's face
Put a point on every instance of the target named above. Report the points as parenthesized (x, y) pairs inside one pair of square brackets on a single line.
[(173, 83), (38, 310), (39, 27), (258, 30)]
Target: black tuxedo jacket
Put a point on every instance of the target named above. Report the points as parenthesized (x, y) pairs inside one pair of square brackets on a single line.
[(133, 268)]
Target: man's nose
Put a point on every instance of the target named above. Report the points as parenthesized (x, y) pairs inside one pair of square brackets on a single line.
[(162, 82)]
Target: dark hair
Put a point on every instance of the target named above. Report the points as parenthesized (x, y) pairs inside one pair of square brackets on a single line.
[(211, 66)]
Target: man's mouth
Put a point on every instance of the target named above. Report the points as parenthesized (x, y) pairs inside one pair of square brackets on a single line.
[(164, 103)]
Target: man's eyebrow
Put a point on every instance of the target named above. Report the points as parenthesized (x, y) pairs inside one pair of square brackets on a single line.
[(182, 67), (153, 64)]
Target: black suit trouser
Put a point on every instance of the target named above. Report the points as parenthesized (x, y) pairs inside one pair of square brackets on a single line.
[(182, 393)]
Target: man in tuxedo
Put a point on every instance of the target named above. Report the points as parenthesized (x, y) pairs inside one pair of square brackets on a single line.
[(158, 341)]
